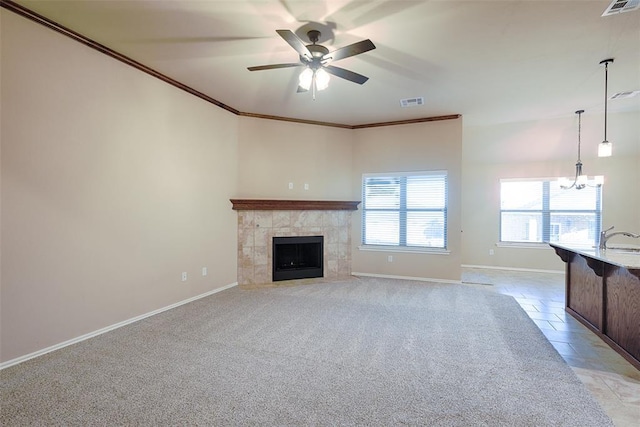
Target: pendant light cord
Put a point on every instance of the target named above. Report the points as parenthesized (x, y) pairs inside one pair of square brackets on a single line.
[(579, 112), (606, 93), (606, 79)]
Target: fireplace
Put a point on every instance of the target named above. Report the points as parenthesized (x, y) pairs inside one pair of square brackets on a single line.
[(260, 220), (299, 257)]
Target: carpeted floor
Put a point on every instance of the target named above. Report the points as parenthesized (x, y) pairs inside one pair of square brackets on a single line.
[(360, 352)]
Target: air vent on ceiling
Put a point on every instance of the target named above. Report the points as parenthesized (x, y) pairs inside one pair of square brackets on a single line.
[(623, 95), (620, 6), (411, 102)]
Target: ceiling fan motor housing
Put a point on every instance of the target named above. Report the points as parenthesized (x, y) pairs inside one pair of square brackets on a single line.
[(317, 51), (314, 36)]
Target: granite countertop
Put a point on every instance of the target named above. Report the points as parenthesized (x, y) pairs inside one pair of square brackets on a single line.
[(622, 255)]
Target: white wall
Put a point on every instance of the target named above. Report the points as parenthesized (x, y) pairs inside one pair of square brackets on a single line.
[(113, 183)]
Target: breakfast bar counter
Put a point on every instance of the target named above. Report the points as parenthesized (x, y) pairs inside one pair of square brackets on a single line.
[(603, 293)]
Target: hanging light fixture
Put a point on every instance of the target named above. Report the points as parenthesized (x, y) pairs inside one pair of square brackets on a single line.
[(605, 148), (580, 181)]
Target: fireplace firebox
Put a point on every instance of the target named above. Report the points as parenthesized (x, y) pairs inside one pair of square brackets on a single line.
[(297, 257)]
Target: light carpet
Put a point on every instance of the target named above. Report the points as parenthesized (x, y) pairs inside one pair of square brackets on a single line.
[(363, 351)]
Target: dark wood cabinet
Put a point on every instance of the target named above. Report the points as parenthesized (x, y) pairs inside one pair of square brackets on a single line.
[(605, 297)]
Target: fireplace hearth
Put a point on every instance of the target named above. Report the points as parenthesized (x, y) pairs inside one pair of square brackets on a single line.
[(299, 257)]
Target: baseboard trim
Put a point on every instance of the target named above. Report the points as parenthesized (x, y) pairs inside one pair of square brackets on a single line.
[(531, 270), (55, 347), (417, 279)]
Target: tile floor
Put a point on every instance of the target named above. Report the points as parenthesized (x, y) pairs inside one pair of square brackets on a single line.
[(613, 381)]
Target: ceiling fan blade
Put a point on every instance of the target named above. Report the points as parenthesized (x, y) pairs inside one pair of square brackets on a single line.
[(295, 42), (301, 89), (274, 66), (346, 74), (350, 50)]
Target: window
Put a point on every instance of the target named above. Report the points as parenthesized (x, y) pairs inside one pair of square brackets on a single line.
[(540, 211), (405, 209)]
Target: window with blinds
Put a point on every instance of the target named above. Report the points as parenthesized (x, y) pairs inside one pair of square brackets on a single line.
[(538, 210), (405, 209)]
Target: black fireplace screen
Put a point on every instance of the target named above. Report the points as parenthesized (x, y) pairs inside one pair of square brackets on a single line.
[(297, 257)]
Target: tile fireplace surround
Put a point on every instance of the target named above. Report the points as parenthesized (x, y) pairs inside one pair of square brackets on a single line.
[(261, 220)]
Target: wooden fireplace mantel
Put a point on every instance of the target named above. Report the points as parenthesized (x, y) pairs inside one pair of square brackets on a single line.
[(293, 205)]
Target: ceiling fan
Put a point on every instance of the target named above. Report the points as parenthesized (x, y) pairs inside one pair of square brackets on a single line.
[(316, 59)]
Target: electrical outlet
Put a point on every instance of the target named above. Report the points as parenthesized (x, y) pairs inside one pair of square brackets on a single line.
[(291, 186), (184, 276), (306, 186), (491, 252), (390, 258), (204, 271)]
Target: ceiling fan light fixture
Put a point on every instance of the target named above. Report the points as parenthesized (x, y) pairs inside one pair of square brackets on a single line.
[(322, 79), (305, 78), (316, 61), (313, 79)]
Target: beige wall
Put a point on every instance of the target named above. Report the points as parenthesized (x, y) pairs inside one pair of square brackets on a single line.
[(544, 149), (332, 160), (113, 183), (404, 148), (274, 153)]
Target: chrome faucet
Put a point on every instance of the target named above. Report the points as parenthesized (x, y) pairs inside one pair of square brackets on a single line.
[(604, 237)]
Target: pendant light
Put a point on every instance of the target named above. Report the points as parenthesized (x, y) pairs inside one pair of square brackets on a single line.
[(605, 148), (580, 181)]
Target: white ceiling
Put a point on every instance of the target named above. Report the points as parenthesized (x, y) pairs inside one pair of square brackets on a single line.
[(491, 61)]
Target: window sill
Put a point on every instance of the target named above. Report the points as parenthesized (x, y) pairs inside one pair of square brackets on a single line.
[(523, 245), (542, 245), (406, 249)]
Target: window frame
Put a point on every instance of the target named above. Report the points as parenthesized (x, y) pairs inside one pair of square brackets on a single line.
[(546, 213), (403, 210)]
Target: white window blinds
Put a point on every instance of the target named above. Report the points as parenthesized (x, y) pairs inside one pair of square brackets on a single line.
[(405, 209)]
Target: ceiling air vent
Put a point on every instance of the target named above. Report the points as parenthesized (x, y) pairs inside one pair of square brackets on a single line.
[(414, 102), (620, 6), (623, 95)]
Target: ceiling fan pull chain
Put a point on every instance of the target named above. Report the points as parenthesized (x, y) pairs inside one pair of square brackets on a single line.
[(313, 86)]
